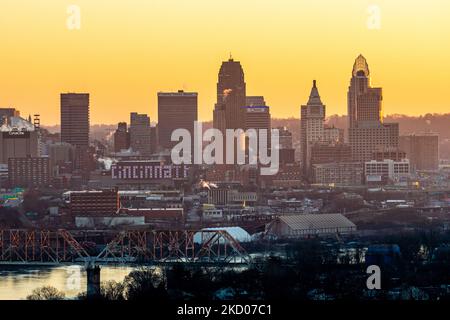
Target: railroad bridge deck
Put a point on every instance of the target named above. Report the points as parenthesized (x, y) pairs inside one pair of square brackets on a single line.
[(55, 247)]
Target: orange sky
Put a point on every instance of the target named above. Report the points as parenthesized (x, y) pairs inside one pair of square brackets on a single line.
[(128, 50)]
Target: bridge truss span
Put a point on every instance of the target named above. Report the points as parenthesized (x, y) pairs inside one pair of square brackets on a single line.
[(25, 246)]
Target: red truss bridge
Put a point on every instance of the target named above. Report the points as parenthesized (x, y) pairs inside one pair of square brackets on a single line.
[(159, 247)]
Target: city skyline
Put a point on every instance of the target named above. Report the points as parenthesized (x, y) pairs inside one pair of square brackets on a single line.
[(44, 58)]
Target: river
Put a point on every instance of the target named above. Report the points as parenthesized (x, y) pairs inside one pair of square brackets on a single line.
[(17, 283)]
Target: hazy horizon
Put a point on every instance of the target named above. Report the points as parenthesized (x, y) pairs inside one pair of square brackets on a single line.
[(272, 118)]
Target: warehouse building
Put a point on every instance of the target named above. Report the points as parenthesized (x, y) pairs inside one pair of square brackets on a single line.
[(306, 225)]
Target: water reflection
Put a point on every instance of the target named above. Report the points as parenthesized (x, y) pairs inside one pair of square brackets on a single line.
[(18, 282)]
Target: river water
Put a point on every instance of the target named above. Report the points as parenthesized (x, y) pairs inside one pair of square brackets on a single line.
[(17, 283)]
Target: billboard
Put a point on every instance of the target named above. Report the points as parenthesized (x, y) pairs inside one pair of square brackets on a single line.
[(16, 134), (147, 170)]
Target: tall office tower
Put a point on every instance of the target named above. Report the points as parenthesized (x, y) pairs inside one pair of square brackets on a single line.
[(176, 110), (364, 102), (422, 150), (140, 134), (121, 137), (231, 97), (367, 132), (75, 119), (19, 138), (312, 117), (258, 118), (255, 101)]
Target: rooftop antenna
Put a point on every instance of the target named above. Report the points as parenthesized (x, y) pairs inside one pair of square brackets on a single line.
[(231, 56)]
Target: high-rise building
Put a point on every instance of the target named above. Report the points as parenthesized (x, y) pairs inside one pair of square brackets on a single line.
[(255, 101), (75, 131), (19, 138), (364, 101), (140, 134), (287, 152), (422, 150), (365, 141), (367, 132), (29, 172), (231, 97), (62, 156), (312, 117), (257, 118), (75, 119), (176, 110), (121, 137)]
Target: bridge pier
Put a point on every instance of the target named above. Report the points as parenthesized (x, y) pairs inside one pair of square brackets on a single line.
[(93, 281)]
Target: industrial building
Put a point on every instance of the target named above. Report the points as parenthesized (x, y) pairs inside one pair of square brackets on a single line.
[(306, 225), (19, 138)]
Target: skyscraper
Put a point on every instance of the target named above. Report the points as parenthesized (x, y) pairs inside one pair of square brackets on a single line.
[(231, 97), (364, 102), (75, 119), (367, 132), (176, 110), (255, 101), (256, 113), (312, 117), (257, 117), (140, 134)]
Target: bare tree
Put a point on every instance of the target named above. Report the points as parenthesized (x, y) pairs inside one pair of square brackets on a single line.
[(46, 293)]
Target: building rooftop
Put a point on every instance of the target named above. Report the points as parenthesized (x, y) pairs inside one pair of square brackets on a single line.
[(176, 94), (17, 124), (317, 221)]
